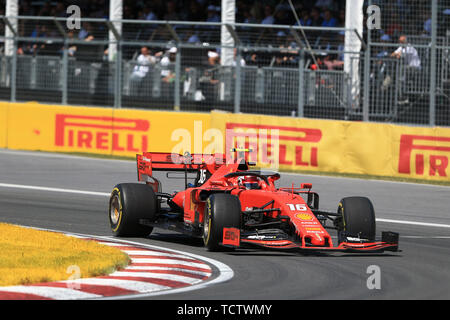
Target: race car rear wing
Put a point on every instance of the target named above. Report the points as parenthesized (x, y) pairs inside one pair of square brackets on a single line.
[(156, 161)]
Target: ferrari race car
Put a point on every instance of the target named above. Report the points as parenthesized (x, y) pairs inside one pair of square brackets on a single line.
[(230, 205)]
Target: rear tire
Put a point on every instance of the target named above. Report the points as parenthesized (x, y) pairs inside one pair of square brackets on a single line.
[(221, 211), (130, 202), (356, 218)]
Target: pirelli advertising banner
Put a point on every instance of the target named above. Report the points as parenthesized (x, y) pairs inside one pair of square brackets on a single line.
[(33, 126), (341, 147), (280, 143)]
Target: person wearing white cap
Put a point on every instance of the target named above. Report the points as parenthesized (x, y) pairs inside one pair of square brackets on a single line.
[(168, 59), (208, 81)]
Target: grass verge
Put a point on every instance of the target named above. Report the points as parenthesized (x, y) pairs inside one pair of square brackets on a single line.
[(29, 256)]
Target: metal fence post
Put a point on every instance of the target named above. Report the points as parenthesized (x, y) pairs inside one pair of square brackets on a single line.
[(177, 98), (14, 72), (237, 83), (301, 85), (434, 17), (118, 85), (65, 71), (366, 92)]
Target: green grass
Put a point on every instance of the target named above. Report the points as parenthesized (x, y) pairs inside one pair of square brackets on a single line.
[(29, 256)]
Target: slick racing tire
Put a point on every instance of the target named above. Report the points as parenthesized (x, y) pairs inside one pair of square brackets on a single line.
[(221, 211), (356, 218), (130, 202)]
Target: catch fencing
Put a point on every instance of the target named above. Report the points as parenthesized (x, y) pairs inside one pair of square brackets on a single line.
[(276, 70)]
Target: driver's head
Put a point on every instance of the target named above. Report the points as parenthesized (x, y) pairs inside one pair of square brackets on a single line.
[(250, 182)]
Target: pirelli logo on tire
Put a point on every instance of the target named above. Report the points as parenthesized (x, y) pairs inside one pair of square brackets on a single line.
[(424, 155)]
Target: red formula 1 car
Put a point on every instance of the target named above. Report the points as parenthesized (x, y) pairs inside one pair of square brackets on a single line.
[(230, 205)]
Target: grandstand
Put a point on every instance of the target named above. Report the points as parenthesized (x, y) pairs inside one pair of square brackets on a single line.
[(169, 53)]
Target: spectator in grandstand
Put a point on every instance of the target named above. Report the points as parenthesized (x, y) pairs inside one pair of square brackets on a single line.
[(282, 16), (40, 31), (268, 15), (73, 48), (213, 16), (305, 19), (249, 17), (211, 33), (427, 25), (408, 52), (213, 58), (191, 36), (385, 38), (148, 13), (86, 32), (251, 14), (329, 20), (335, 61), (143, 64), (316, 18), (242, 62), (411, 58), (209, 80), (168, 60)]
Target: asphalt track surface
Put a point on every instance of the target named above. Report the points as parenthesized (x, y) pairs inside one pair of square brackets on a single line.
[(420, 213)]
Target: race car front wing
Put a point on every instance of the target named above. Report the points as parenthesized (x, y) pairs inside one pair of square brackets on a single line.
[(232, 238)]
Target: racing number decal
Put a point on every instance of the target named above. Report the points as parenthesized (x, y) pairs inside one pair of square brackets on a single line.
[(202, 178), (297, 207)]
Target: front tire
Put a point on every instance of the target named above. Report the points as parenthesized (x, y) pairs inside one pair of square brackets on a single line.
[(356, 218), (221, 211), (128, 203)]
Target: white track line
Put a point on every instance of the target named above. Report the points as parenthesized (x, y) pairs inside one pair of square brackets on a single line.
[(415, 223), (39, 188)]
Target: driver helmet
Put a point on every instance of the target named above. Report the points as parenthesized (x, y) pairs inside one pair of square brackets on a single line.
[(250, 182)]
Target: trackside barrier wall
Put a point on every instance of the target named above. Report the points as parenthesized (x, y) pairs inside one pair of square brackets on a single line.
[(348, 147), (303, 144), (105, 131)]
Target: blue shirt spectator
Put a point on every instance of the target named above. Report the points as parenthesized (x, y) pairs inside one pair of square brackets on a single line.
[(269, 19), (329, 20)]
